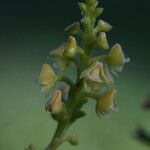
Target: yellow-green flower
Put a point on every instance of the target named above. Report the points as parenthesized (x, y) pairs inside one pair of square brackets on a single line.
[(103, 26), (92, 72), (102, 41), (58, 56), (72, 140), (97, 72), (107, 103), (47, 77), (55, 105), (71, 47), (116, 56)]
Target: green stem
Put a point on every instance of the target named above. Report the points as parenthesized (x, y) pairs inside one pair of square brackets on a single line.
[(59, 135), (63, 125)]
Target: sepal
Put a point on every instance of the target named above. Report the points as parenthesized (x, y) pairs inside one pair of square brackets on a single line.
[(55, 105), (107, 103), (71, 47), (47, 78), (102, 41), (116, 57), (103, 26)]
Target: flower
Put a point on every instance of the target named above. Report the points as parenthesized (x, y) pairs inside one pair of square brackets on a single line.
[(82, 7), (97, 12), (62, 54), (106, 103), (96, 74), (58, 56), (72, 140), (47, 78), (71, 47), (92, 72), (103, 26), (55, 105), (102, 41), (116, 57)]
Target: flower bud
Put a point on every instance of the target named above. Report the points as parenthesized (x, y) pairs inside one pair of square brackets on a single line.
[(47, 78), (72, 140), (86, 21), (97, 12), (103, 26), (55, 105), (116, 56), (93, 3), (82, 7), (106, 103), (102, 41), (71, 47), (73, 29)]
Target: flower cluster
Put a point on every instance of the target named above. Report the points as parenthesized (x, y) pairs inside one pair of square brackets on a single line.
[(94, 74)]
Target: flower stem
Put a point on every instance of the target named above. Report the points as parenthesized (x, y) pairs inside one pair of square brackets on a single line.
[(59, 135)]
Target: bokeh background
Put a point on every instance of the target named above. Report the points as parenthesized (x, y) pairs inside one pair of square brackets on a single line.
[(29, 29)]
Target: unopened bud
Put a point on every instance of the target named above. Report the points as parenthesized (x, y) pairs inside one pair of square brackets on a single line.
[(82, 7), (93, 3), (97, 12), (116, 56), (55, 105), (102, 41), (47, 78), (71, 47), (86, 21), (107, 103), (103, 26), (73, 29), (73, 140)]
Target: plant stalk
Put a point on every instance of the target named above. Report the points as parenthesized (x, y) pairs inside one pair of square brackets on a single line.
[(59, 135)]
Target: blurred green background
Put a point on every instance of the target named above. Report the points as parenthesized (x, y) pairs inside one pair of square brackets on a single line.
[(29, 29)]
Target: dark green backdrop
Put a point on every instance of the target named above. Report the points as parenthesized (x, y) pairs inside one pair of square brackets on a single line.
[(29, 29)]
